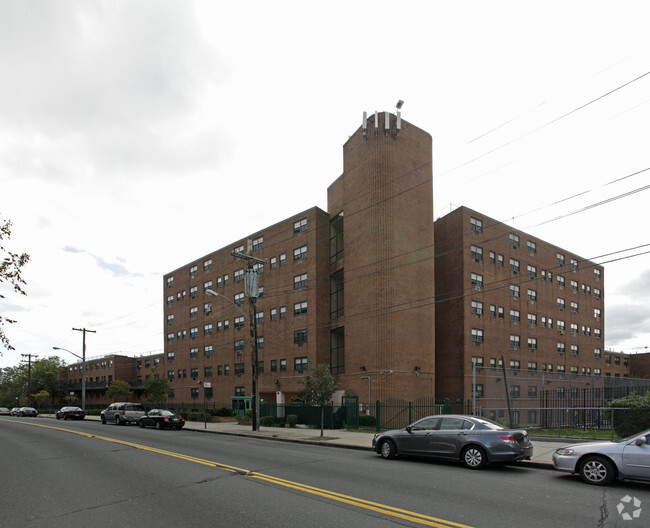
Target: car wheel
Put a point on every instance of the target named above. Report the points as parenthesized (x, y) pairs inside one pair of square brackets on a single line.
[(103, 419), (65, 416), (58, 417), (178, 427), (141, 423), (597, 470), (158, 425), (387, 449), (474, 457), (117, 420)]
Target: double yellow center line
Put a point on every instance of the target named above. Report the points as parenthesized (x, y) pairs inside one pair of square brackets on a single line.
[(383, 509)]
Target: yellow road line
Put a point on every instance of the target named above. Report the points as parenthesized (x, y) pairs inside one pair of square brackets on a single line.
[(418, 518)]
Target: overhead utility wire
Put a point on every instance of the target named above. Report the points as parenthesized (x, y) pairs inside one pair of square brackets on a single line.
[(495, 149)]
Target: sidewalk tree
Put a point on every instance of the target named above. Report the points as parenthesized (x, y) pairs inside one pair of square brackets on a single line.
[(11, 265), (41, 397), (319, 388), (157, 389), (119, 391)]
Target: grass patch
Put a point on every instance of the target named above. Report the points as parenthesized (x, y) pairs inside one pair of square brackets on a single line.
[(602, 434)]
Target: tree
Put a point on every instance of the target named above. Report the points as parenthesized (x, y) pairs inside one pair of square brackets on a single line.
[(319, 389), (41, 397), (157, 389), (119, 390), (10, 268)]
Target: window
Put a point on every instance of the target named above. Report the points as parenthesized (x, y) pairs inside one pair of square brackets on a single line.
[(194, 332), (532, 295), (170, 356), (597, 313), (514, 290), (283, 312), (194, 311), (476, 225), (300, 226), (500, 260), (514, 316), (560, 281), (477, 307), (597, 274), (477, 281), (597, 333), (219, 326), (532, 319), (193, 271), (300, 337), (258, 267), (514, 341), (300, 282), (532, 271), (239, 298), (273, 262), (170, 375), (560, 259), (514, 240), (478, 361), (300, 253), (493, 257), (239, 322), (193, 291), (170, 337), (239, 346), (207, 308), (574, 286), (477, 253), (532, 391), (170, 319), (207, 265), (207, 285), (170, 299), (226, 370), (532, 247), (477, 335), (283, 259), (260, 342), (274, 365), (493, 310), (514, 364), (300, 364), (532, 366), (597, 353), (239, 275), (501, 311), (170, 282), (259, 317), (283, 365), (239, 369), (258, 243), (574, 307), (532, 343), (560, 303), (207, 328), (574, 328), (597, 294), (207, 351), (300, 308), (514, 265), (274, 314), (226, 278), (561, 348), (574, 265), (219, 282)]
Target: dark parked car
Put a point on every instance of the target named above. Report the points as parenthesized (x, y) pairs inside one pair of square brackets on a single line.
[(70, 413), (472, 440), (161, 419), (28, 411), (600, 463)]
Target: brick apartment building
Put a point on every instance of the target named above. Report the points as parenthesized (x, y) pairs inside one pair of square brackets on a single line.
[(364, 289)]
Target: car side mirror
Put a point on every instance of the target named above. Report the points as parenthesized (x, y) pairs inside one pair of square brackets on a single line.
[(408, 428), (642, 440)]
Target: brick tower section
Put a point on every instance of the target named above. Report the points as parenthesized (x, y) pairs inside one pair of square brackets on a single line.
[(386, 197)]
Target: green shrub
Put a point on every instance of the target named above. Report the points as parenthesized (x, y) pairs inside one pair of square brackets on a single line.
[(249, 413), (267, 421), (292, 419), (367, 421), (223, 411), (634, 417)]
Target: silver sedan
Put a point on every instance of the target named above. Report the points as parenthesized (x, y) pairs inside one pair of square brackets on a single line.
[(472, 440), (600, 463)]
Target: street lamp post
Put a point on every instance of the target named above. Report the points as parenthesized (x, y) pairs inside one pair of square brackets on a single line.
[(252, 290), (83, 372)]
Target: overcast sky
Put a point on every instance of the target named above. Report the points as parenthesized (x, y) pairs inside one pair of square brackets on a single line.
[(138, 136)]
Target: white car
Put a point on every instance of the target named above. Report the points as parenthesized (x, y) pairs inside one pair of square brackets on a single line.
[(600, 463)]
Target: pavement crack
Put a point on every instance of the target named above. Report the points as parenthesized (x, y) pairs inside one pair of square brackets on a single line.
[(604, 513)]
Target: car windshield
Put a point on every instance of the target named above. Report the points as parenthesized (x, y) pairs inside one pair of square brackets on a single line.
[(637, 435), (166, 413)]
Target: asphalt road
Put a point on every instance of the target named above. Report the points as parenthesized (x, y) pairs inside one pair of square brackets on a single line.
[(80, 474)]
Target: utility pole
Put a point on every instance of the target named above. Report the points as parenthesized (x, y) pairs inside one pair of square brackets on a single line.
[(83, 366), (29, 374), (252, 284)]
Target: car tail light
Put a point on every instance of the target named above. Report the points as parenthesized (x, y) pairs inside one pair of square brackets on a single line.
[(508, 439), (166, 418)]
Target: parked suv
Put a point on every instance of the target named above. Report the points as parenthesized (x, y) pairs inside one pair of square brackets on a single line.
[(122, 413)]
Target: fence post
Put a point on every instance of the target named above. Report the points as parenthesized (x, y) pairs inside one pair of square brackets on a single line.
[(378, 415)]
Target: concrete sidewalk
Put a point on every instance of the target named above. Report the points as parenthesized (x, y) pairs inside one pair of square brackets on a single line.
[(542, 452)]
